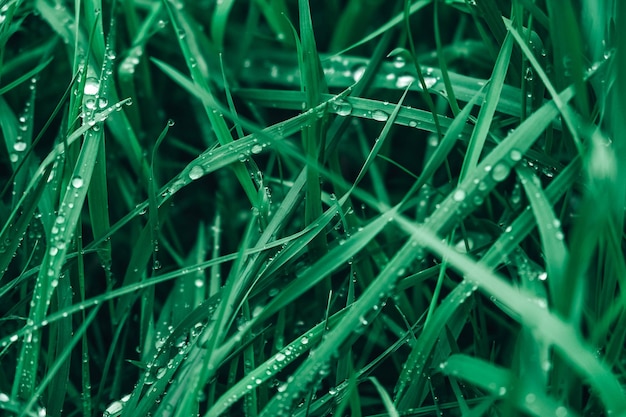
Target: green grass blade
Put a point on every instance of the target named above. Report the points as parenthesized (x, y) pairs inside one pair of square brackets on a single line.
[(487, 110), (562, 336), (499, 382)]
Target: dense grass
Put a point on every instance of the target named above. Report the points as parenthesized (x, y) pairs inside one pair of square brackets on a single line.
[(351, 207)]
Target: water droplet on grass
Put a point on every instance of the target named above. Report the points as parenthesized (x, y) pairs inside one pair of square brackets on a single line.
[(380, 115), (459, 195), (77, 182), (561, 411), (358, 73), (342, 107), (196, 172), (256, 149), (515, 155), (92, 86), (399, 62), (500, 171), (404, 80), (19, 146)]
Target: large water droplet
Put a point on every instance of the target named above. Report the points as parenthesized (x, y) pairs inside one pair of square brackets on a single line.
[(561, 411), (92, 86), (500, 171), (380, 115), (196, 172), (358, 73), (19, 146), (459, 195), (430, 81), (399, 62), (256, 149), (404, 80), (77, 182), (342, 107)]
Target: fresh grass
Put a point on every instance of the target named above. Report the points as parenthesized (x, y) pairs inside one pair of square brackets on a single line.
[(285, 207)]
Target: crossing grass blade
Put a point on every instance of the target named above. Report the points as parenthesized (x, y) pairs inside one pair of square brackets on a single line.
[(568, 116), (561, 335), (188, 44), (554, 249), (24, 77), (440, 221), (499, 382)]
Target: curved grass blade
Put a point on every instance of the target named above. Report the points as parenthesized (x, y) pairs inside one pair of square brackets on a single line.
[(24, 77), (554, 249), (187, 45)]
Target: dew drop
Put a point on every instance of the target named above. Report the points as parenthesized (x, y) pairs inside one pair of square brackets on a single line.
[(358, 73), (256, 149), (380, 115), (399, 62), (92, 86), (459, 195), (342, 107), (500, 171), (196, 172), (77, 182), (404, 80), (19, 146), (430, 81), (560, 411), (515, 155)]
